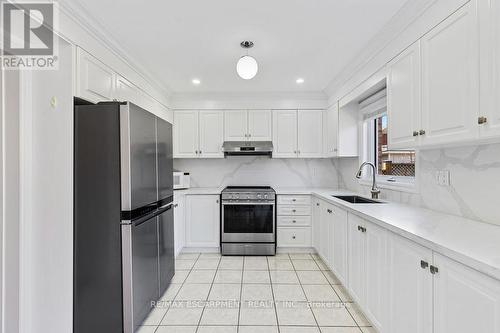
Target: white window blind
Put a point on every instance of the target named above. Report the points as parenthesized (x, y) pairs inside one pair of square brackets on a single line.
[(374, 105)]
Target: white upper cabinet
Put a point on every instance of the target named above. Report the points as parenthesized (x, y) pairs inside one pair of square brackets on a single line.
[(298, 133), (410, 286), (211, 124), (450, 82), (95, 80), (127, 91), (236, 125), (285, 133), (260, 125), (331, 128), (246, 125), (464, 300), (310, 133), (198, 134), (489, 117), (185, 134), (404, 98)]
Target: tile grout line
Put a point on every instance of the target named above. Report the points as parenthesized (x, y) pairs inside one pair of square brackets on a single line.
[(272, 292), (302, 288), (208, 295), (177, 293)]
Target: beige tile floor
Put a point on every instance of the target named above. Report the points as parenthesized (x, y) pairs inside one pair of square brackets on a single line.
[(286, 293)]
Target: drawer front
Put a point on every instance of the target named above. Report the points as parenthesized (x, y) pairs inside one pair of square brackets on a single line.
[(294, 210), (292, 221), (294, 199), (294, 237)]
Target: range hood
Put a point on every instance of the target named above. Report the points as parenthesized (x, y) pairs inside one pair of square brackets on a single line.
[(244, 148)]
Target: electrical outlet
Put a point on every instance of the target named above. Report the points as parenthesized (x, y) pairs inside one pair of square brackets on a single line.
[(443, 177)]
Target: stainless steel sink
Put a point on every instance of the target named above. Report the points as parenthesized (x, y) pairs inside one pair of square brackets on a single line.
[(355, 199)]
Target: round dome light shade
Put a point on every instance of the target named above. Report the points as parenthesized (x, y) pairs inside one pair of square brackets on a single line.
[(247, 67)]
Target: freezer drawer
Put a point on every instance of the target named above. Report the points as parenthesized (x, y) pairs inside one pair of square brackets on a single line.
[(166, 249)]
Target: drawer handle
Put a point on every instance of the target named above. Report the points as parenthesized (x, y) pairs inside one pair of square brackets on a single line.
[(294, 200), (293, 210), (293, 237), (294, 221)]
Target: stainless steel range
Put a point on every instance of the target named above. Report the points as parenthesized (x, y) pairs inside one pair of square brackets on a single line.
[(248, 220)]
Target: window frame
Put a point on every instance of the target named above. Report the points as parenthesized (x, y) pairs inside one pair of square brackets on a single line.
[(369, 153)]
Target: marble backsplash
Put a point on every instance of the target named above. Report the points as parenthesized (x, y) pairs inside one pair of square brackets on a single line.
[(474, 190), (253, 170)]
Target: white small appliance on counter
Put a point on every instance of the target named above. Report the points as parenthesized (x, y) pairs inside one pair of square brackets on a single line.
[(181, 180)]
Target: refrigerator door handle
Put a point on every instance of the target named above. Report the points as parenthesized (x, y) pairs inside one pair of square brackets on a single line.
[(151, 215)]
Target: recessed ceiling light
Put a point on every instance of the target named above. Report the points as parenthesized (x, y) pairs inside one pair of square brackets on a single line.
[(299, 80), (196, 81)]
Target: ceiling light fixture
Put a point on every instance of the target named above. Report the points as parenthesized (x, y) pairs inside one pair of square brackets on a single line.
[(196, 81), (299, 80), (247, 66)]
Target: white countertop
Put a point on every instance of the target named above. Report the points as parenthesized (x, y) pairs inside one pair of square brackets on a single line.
[(473, 243)]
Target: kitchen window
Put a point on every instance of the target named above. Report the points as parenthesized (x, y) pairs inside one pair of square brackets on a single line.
[(394, 167)]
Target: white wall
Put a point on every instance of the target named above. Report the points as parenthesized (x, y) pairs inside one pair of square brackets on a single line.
[(247, 170)]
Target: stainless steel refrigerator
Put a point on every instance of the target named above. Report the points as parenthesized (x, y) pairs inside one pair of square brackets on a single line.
[(123, 219)]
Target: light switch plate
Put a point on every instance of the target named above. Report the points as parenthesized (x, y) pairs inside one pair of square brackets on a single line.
[(443, 177)]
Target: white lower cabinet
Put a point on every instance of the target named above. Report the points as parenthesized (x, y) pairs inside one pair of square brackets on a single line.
[(179, 223), (400, 285), (410, 286), (294, 221), (464, 300), (202, 216)]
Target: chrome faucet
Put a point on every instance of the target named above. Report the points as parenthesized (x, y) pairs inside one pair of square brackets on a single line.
[(375, 191)]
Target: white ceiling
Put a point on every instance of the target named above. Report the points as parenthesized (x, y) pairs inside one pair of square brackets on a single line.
[(177, 41)]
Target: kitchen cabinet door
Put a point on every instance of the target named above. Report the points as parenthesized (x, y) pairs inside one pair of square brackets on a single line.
[(450, 85), (95, 80), (202, 221), (310, 133), (324, 237), (179, 223), (186, 136), (127, 91), (490, 68), (331, 127), (236, 125), (340, 244), (330, 234), (316, 224), (260, 125), (211, 126), (356, 259), (409, 286), (375, 276), (464, 299), (404, 98), (285, 133)]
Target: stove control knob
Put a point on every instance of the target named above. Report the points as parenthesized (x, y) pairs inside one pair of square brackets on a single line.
[(259, 196), (265, 196)]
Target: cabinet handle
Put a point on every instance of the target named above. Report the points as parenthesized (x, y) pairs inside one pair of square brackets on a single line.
[(293, 210), (298, 151), (294, 221), (294, 200), (200, 152), (249, 135), (362, 229), (421, 132), (295, 152), (415, 133), (482, 120), (329, 211), (216, 201), (335, 150), (293, 237), (434, 269), (317, 203), (424, 264)]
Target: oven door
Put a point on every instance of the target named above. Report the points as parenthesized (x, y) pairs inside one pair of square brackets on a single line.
[(248, 222)]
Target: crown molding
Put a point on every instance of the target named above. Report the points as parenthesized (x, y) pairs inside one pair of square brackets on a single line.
[(80, 15), (257, 100), (408, 14)]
